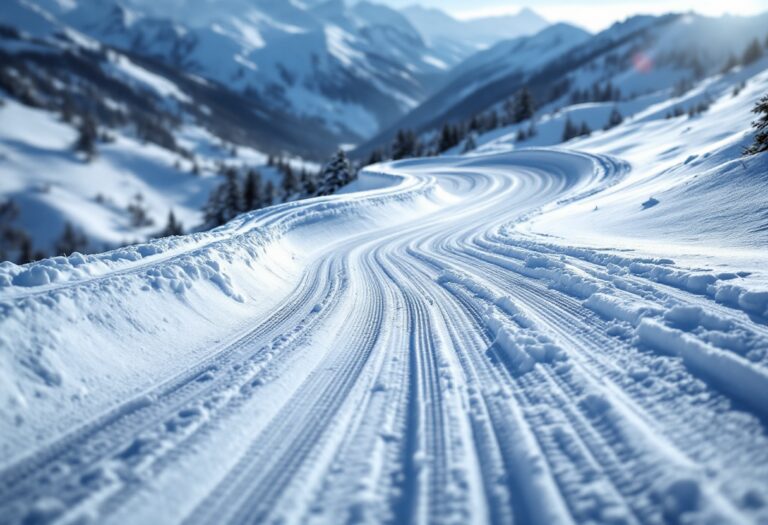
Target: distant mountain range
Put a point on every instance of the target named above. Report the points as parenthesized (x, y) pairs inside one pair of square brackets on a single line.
[(563, 64), (345, 71)]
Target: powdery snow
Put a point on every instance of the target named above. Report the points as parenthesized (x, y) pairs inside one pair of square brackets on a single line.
[(510, 336)]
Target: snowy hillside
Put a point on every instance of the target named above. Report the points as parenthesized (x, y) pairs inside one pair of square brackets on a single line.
[(346, 70), (635, 58), (530, 332)]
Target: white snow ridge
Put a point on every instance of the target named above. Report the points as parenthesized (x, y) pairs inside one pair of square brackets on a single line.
[(553, 334)]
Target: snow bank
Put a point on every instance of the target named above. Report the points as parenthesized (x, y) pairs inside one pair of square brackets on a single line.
[(732, 374)]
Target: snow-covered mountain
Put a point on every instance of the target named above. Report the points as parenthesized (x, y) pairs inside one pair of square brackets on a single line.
[(549, 336), (350, 69), (450, 37), (641, 55)]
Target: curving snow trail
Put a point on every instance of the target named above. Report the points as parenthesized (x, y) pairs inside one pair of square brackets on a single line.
[(424, 362)]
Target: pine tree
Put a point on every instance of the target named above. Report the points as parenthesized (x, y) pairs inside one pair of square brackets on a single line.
[(309, 182), (470, 144), (570, 130), (233, 197), (448, 138), (761, 127), (213, 211), (173, 227), (404, 145), (290, 183), (252, 198), (25, 250), (269, 193), (86, 138), (375, 157), (335, 174), (71, 241), (139, 212), (614, 119), (752, 53), (524, 107)]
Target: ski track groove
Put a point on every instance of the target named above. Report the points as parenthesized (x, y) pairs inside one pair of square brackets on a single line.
[(411, 411)]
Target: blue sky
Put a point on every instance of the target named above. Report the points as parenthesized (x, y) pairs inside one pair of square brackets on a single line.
[(591, 14)]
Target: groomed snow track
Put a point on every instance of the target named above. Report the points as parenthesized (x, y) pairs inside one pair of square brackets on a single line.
[(437, 367)]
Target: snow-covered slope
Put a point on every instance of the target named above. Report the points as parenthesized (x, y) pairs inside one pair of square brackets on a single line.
[(640, 56), (159, 139), (549, 335), (347, 70)]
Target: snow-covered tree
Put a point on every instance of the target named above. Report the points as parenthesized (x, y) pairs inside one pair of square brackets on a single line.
[(335, 174), (761, 127)]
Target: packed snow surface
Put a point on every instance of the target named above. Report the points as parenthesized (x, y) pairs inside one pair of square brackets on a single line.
[(460, 340)]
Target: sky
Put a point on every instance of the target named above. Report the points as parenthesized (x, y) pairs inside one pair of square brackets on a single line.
[(590, 14)]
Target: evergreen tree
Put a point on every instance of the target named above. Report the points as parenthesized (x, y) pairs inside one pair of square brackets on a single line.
[(25, 250), (269, 193), (375, 157), (138, 212), (761, 127), (570, 130), (752, 53), (87, 135), (309, 182), (233, 196), (470, 143), (71, 241), (614, 119), (290, 182), (404, 145), (335, 174), (524, 107), (173, 227), (510, 110), (252, 198), (214, 213), (448, 138)]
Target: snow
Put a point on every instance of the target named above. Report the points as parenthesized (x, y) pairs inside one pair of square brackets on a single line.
[(542, 334)]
